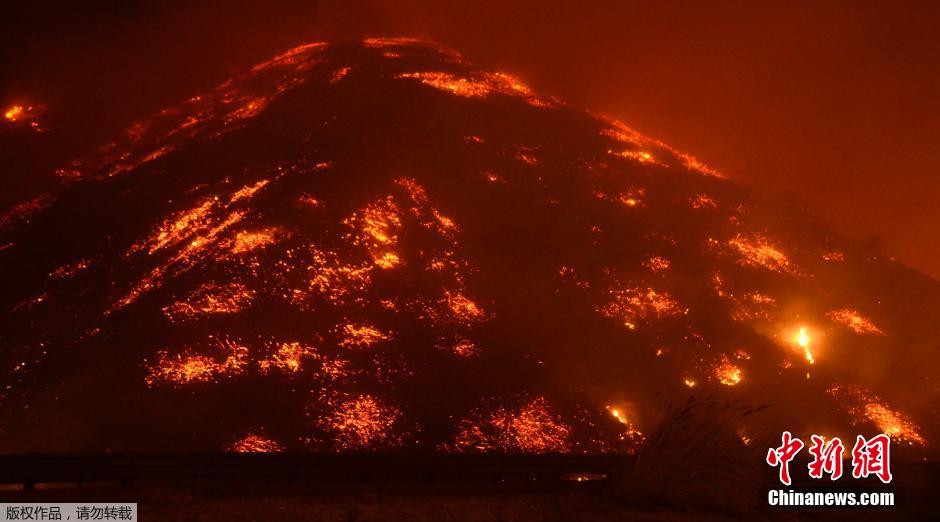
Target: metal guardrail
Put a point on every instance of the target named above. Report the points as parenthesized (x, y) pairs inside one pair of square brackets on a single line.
[(32, 469)]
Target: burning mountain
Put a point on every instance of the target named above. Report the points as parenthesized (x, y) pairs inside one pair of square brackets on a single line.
[(376, 246)]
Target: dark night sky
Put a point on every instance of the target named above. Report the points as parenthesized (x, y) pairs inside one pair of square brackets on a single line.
[(833, 102)]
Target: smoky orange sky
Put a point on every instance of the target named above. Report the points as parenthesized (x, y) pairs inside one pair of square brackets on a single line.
[(832, 103)]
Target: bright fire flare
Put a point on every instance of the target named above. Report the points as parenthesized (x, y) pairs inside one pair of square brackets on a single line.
[(14, 113), (802, 340), (617, 414)]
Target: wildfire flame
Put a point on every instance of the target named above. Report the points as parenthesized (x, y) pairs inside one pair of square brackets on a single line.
[(802, 340), (14, 113)]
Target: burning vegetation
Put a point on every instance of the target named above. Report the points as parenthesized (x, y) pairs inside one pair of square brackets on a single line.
[(854, 321), (255, 443), (532, 428), (385, 248), (867, 408)]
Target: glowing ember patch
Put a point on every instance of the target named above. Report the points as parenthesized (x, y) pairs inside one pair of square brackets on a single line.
[(210, 115), (157, 154), (67, 271), (362, 423), (361, 336), (694, 164), (636, 155), (24, 210), (210, 235), (380, 43), (759, 252), (188, 368), (291, 57), (388, 260), (727, 373), (339, 74), (657, 264), (893, 423), (334, 280), (249, 191), (632, 197), (629, 433), (530, 429), (309, 201), (248, 241), (287, 358), (583, 477), (492, 177), (479, 85), (444, 222), (451, 83), (702, 201), (747, 307), (689, 382), (569, 275), (379, 225), (624, 134), (255, 443), (465, 348), (178, 228), (335, 369), (462, 308), (527, 156), (210, 299), (854, 321), (754, 305), (635, 304), (187, 257), (249, 109), (864, 406), (834, 257), (415, 191), (31, 302)]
